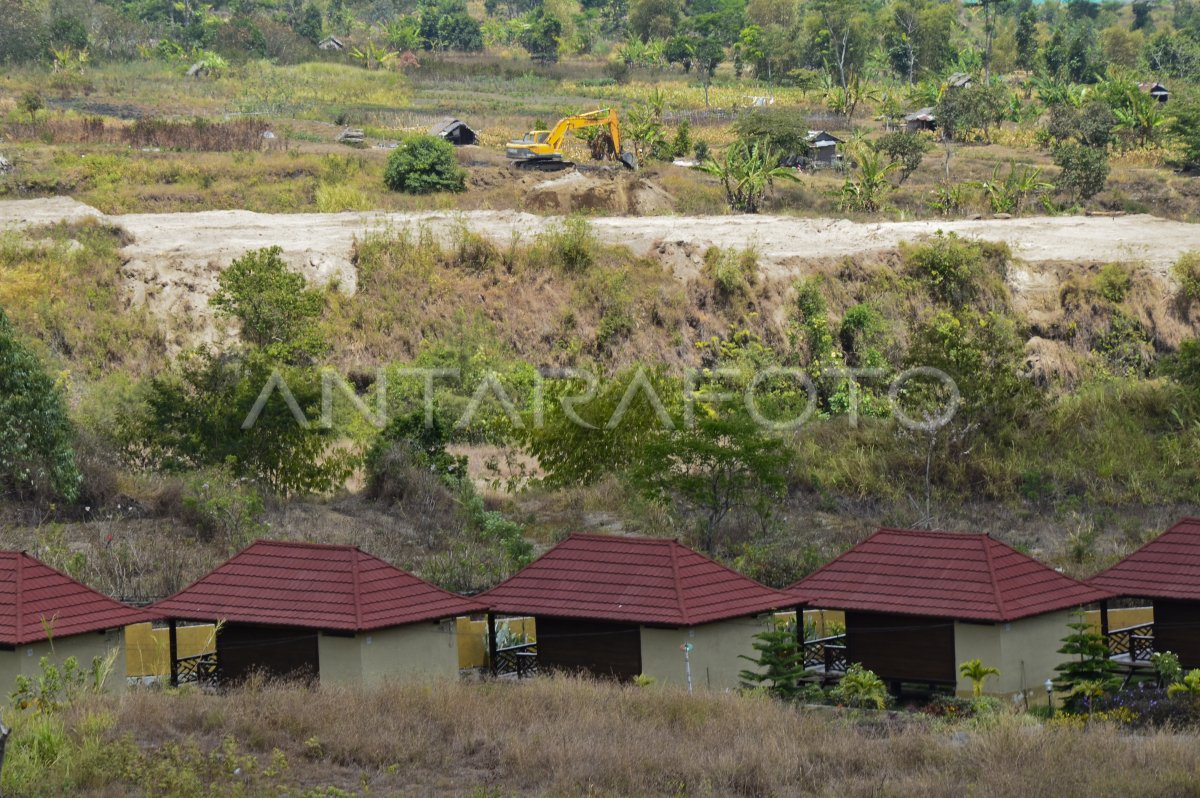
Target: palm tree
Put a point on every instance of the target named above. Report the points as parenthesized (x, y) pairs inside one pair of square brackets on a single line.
[(747, 171), (977, 672)]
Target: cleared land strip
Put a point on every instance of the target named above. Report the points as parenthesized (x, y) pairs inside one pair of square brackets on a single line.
[(172, 260)]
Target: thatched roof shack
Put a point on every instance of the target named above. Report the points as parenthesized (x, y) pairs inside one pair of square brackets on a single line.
[(454, 131)]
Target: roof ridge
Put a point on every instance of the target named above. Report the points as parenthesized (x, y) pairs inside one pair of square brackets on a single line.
[(20, 619), (986, 541), (300, 544), (354, 562), (674, 546)]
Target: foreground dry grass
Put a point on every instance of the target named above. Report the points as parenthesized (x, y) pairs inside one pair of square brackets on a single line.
[(564, 737)]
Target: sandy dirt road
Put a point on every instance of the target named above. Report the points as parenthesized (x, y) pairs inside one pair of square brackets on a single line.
[(172, 259)]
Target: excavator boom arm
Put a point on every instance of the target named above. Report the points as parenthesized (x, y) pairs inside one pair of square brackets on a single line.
[(604, 117)]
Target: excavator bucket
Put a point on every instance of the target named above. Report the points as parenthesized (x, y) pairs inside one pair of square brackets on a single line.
[(629, 160)]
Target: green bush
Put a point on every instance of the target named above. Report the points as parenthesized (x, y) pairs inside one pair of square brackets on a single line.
[(1113, 282), (860, 688), (572, 246), (733, 273), (1187, 271), (423, 164), (37, 459), (957, 271), (221, 507)]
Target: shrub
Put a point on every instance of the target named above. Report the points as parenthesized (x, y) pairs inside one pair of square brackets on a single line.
[(423, 164), (1187, 272), (733, 273), (277, 309), (783, 131), (957, 271), (223, 508), (37, 459), (571, 246), (1113, 282), (860, 688)]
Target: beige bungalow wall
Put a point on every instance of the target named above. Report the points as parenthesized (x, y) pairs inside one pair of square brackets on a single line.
[(715, 655), (1025, 651), (26, 659), (414, 652)]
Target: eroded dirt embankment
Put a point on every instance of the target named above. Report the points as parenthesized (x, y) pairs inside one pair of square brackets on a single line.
[(171, 260)]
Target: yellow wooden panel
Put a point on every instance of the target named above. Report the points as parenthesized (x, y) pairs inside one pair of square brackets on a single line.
[(148, 650)]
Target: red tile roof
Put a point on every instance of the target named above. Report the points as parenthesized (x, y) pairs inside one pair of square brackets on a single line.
[(943, 575), (313, 586), (1166, 567), (34, 597), (634, 580)]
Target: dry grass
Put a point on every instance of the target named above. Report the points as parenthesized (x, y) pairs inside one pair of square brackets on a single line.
[(565, 737)]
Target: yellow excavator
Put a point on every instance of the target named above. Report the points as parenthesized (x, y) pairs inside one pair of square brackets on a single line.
[(542, 149)]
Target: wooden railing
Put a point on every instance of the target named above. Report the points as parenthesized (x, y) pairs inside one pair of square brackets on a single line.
[(201, 669), (1135, 642), (826, 652), (519, 661)]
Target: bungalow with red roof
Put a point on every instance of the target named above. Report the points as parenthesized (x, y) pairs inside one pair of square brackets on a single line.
[(331, 613), (1167, 571), (918, 604), (622, 607), (45, 613)]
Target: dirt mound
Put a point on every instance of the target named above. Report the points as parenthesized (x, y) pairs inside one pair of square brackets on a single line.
[(605, 190)]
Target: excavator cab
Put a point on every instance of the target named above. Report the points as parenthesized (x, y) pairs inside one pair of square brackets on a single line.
[(542, 149)]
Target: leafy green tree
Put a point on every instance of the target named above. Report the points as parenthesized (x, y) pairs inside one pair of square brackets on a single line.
[(32, 102), (920, 38), (1088, 666), (37, 458), (409, 441), (541, 35), (278, 311), (654, 19), (446, 25), (726, 460), (1184, 129), (903, 148), (594, 429), (979, 106), (781, 130), (311, 24), (1142, 15), (779, 664), (1084, 170), (205, 411), (1027, 39), (747, 172), (423, 164)]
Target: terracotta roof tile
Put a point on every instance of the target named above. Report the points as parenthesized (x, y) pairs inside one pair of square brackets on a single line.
[(635, 580), (1166, 567), (34, 597), (313, 586), (941, 574)]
